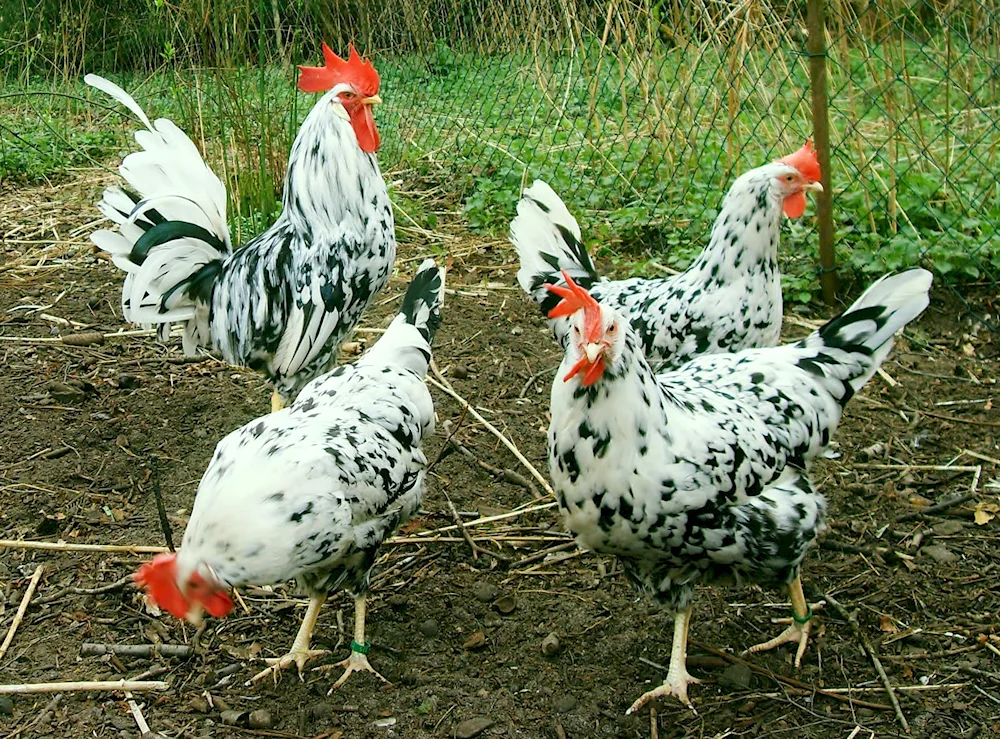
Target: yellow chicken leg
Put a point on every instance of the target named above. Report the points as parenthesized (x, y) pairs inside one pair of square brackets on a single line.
[(799, 625), (358, 661), (277, 401), (677, 675), (300, 653)]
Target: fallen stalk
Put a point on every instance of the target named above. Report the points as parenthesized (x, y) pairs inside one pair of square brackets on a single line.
[(444, 386), (19, 616), (790, 680), (90, 649), (83, 687), (852, 621)]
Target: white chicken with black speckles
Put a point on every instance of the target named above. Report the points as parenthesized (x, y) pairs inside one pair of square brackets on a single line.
[(730, 297), (701, 474), (283, 302), (310, 492)]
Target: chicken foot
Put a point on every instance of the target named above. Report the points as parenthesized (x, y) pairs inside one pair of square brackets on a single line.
[(358, 661), (300, 653), (678, 678), (799, 625), (277, 401)]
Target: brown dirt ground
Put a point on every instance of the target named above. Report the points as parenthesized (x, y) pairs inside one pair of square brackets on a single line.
[(88, 432)]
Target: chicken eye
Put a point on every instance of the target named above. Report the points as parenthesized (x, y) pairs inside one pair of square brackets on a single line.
[(789, 178), (347, 95), (576, 330), (612, 328)]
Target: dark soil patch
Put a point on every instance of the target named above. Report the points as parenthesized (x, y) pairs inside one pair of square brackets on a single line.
[(88, 432)]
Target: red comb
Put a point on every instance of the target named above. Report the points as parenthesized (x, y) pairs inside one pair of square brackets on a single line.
[(806, 161), (574, 298), (355, 70), (159, 579)]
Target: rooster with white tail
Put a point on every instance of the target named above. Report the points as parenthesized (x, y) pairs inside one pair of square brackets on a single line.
[(701, 474), (283, 303), (311, 491), (730, 297)]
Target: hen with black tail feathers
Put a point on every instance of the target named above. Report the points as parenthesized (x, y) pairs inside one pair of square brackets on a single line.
[(283, 302), (730, 297), (701, 474), (312, 491)]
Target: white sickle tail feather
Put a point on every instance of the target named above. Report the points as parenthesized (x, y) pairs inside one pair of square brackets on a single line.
[(172, 231), (410, 334), (547, 239), (849, 348)]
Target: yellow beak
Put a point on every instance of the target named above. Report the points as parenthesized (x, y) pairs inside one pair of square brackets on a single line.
[(593, 351), (815, 187), (373, 100)]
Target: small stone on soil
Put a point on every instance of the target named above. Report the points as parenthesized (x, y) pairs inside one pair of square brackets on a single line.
[(565, 704), (736, 676), (6, 705), (459, 372), (199, 704), (486, 592), (64, 393), (949, 528), (429, 628), (940, 553), (550, 645), (477, 640), (233, 718), (472, 727), (128, 382), (261, 719), (505, 605)]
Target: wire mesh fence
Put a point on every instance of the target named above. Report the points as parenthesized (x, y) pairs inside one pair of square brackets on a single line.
[(916, 130), (640, 116), (639, 113)]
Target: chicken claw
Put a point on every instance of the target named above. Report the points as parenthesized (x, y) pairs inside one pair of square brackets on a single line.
[(297, 657), (300, 653), (357, 662), (799, 625), (676, 685)]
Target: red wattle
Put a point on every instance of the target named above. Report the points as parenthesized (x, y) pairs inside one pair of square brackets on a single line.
[(594, 372), (580, 364), (363, 123), (795, 205)]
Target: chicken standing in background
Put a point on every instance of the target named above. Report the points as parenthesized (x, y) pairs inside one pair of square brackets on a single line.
[(283, 303), (701, 474), (310, 492), (730, 297)]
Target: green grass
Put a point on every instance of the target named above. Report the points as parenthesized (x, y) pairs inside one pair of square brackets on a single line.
[(641, 150)]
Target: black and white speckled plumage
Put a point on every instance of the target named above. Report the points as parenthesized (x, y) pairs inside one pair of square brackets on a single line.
[(282, 303), (310, 492), (702, 473), (729, 299)]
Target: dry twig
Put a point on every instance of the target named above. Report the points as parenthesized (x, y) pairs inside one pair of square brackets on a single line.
[(19, 616), (140, 720), (476, 549), (442, 384), (43, 717), (852, 621), (941, 507), (90, 649), (507, 475), (121, 582), (793, 682), (82, 687)]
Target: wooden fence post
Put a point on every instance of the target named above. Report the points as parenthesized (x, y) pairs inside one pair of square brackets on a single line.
[(816, 47)]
